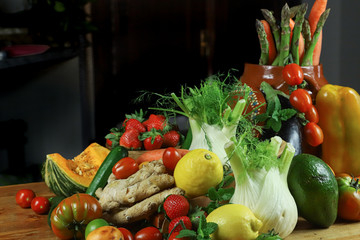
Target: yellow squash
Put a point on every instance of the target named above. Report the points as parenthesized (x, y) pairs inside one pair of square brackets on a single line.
[(339, 112)]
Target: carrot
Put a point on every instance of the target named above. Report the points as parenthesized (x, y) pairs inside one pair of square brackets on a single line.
[(269, 36), (156, 154), (317, 9), (301, 39)]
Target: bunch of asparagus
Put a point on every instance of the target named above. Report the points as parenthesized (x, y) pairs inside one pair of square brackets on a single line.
[(287, 51)]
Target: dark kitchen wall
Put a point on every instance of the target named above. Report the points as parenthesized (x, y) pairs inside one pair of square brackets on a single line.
[(160, 45)]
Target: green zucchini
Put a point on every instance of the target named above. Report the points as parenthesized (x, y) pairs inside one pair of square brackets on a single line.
[(105, 169)]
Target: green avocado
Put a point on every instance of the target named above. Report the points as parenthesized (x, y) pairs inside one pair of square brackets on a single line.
[(314, 188)]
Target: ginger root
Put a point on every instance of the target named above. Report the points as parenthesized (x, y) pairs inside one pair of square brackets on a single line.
[(142, 209)]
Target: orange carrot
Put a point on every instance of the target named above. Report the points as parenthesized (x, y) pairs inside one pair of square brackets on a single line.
[(317, 9), (269, 36), (156, 154)]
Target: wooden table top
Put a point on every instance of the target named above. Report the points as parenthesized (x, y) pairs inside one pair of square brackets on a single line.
[(18, 223)]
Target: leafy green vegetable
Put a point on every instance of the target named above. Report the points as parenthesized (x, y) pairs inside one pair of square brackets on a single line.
[(203, 231), (274, 115)]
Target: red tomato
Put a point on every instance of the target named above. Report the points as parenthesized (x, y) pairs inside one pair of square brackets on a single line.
[(312, 114), (313, 134), (300, 99), (170, 158), (40, 205), (148, 233), (127, 234), (293, 74), (24, 197), (125, 167)]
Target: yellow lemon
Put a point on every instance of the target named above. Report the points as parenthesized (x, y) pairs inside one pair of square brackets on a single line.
[(197, 171), (235, 222)]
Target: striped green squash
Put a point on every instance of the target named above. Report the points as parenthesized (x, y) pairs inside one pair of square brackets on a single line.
[(66, 177)]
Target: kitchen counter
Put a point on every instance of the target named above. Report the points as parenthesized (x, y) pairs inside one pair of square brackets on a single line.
[(18, 223)]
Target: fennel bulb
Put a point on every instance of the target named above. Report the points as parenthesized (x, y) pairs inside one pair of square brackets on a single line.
[(261, 182), (212, 121)]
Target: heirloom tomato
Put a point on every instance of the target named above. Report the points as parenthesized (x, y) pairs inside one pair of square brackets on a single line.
[(349, 197), (70, 217)]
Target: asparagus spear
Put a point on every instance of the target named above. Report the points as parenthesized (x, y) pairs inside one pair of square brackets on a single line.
[(264, 44), (269, 17), (285, 34), (297, 32), (306, 33), (308, 57)]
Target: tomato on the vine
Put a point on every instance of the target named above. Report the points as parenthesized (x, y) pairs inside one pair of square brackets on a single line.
[(148, 233), (40, 205), (127, 234), (125, 167), (24, 197), (313, 134), (312, 114), (300, 99), (293, 74), (170, 158)]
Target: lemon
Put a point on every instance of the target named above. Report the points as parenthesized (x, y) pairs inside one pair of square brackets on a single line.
[(235, 222), (197, 171)]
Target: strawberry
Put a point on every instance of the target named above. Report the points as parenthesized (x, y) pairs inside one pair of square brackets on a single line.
[(152, 139), (130, 139), (155, 121), (137, 115), (133, 123), (176, 225), (112, 138), (171, 138), (176, 205)]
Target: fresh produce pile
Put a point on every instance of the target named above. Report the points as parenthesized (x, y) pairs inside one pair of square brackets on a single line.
[(227, 179), (136, 133)]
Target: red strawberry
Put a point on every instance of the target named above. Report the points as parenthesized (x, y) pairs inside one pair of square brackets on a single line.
[(176, 205), (171, 138), (133, 123), (112, 139), (155, 121), (130, 139), (152, 139), (176, 225)]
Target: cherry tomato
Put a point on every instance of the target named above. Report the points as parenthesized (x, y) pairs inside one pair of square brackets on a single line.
[(170, 158), (313, 134), (300, 99), (293, 74), (24, 197), (94, 224), (125, 167), (312, 114), (40, 205), (349, 197), (127, 234), (148, 233)]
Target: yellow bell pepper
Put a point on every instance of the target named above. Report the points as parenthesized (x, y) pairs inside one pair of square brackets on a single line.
[(339, 113)]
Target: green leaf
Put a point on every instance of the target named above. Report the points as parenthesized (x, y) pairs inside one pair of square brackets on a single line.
[(186, 233), (212, 194), (226, 193), (286, 114), (275, 125), (262, 117)]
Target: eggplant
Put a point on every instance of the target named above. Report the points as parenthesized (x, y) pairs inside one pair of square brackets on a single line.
[(291, 129)]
